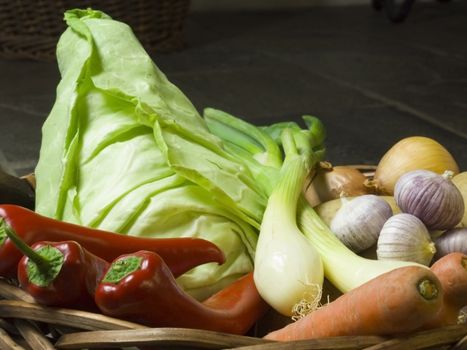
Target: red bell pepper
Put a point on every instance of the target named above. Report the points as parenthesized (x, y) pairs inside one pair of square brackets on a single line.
[(180, 254), (59, 273), (140, 287)]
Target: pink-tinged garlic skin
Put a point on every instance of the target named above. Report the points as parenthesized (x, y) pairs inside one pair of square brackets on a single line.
[(358, 222), (453, 240), (431, 197), (404, 237)]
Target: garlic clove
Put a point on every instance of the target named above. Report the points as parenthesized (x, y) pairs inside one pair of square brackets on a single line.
[(358, 222), (404, 237), (328, 210), (453, 240), (431, 197)]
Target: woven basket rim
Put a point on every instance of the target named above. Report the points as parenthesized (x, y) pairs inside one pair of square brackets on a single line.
[(31, 31)]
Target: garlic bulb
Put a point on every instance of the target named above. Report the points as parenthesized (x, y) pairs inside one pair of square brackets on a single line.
[(431, 197), (328, 210), (412, 153), (404, 237), (358, 222), (328, 182), (453, 240)]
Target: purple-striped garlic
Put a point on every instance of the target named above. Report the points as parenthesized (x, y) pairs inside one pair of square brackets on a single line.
[(431, 197), (404, 237), (453, 240), (358, 222)]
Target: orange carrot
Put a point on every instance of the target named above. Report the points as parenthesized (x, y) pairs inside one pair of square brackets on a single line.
[(398, 301), (451, 271)]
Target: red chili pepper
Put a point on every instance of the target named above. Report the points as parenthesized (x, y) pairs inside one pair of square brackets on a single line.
[(241, 300), (140, 287), (59, 273), (180, 254)]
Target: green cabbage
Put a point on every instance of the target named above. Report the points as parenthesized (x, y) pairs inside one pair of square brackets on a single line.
[(124, 150)]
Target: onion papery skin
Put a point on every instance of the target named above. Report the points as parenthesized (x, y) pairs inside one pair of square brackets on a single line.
[(412, 153), (431, 197), (329, 182)]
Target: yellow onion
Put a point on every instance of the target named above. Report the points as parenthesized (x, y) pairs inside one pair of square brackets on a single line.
[(329, 182), (460, 181), (412, 153)]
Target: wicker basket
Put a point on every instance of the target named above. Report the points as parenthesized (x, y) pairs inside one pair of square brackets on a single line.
[(30, 29), (25, 324)]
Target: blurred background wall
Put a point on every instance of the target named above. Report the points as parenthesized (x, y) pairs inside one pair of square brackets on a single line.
[(244, 5)]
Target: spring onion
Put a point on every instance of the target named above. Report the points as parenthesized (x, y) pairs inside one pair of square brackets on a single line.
[(284, 257), (343, 268)]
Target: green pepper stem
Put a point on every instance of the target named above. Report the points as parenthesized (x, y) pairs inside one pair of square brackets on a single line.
[(41, 262), (122, 267)]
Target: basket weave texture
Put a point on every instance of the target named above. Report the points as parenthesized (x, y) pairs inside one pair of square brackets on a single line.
[(24, 324), (30, 29)]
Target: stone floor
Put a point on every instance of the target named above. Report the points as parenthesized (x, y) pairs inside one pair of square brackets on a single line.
[(370, 81)]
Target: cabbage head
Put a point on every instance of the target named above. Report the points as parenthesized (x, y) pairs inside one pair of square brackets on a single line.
[(123, 149)]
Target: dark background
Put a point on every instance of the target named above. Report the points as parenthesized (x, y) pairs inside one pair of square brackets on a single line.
[(371, 81)]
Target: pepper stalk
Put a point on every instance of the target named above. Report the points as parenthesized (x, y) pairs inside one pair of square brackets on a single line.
[(44, 265)]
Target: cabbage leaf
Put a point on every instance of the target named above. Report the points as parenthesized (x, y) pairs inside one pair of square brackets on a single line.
[(123, 149)]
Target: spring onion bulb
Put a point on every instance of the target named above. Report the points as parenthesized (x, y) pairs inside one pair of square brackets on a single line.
[(288, 269)]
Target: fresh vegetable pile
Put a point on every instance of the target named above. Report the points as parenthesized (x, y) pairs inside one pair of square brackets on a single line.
[(164, 217)]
